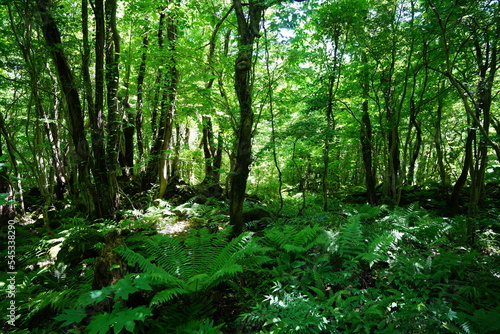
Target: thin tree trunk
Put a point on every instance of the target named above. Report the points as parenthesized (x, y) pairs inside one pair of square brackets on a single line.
[(454, 201), (247, 31), (438, 143), (140, 104), (7, 211), (212, 154), (217, 164), (328, 141), (151, 172), (174, 174), (158, 85), (418, 143), (158, 165), (366, 138), (128, 119), (209, 150), (112, 48), (273, 125), (367, 152), (169, 105), (12, 151)]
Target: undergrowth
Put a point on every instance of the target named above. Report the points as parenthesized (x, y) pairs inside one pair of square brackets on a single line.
[(358, 269)]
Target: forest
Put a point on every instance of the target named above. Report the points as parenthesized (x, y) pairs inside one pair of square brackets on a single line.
[(250, 166)]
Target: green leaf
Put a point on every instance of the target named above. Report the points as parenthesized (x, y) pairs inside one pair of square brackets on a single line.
[(421, 307), (142, 282), (101, 324), (123, 288), (71, 316), (167, 294), (374, 310), (128, 316), (115, 266), (95, 296), (297, 264), (197, 282)]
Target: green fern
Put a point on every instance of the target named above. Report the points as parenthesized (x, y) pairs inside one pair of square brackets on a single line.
[(179, 270), (295, 238), (350, 242), (196, 263), (201, 326), (55, 299), (379, 249)]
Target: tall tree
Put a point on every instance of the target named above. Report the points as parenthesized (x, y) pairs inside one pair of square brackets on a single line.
[(69, 89), (248, 30), (158, 164), (366, 138), (106, 191), (471, 29), (112, 74), (140, 96)]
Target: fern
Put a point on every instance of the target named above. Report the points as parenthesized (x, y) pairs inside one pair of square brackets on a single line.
[(194, 264), (202, 326), (55, 299), (351, 244), (178, 270), (295, 238), (379, 249), (350, 241)]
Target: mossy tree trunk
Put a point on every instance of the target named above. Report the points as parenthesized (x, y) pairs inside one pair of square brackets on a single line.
[(248, 30)]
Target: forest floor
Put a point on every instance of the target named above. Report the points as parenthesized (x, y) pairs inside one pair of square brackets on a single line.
[(353, 269)]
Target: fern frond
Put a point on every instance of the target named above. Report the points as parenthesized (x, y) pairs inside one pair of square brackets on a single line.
[(295, 238), (135, 258), (167, 295), (379, 249), (350, 240)]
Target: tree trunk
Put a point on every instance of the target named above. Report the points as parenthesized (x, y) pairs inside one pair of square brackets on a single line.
[(68, 85), (140, 82), (158, 87), (418, 143), (207, 140), (270, 88), (105, 193), (128, 123), (328, 138), (393, 157), (454, 201), (367, 152), (151, 172), (213, 156), (158, 165), (112, 49), (247, 30), (7, 211), (174, 169), (366, 138), (438, 142), (12, 151)]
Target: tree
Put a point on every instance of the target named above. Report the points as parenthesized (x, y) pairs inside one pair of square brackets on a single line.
[(73, 104), (248, 30), (471, 29)]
